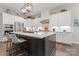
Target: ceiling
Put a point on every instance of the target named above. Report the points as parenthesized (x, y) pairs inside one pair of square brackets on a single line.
[(37, 7)]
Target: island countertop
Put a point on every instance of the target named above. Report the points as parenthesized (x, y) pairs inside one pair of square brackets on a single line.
[(35, 34)]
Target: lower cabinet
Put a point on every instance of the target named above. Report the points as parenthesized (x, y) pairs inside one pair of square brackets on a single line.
[(63, 37)]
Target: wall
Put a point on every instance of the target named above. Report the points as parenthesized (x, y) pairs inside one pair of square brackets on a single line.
[(2, 10), (1, 30)]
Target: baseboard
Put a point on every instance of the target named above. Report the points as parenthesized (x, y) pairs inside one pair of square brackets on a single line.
[(64, 43), (75, 42)]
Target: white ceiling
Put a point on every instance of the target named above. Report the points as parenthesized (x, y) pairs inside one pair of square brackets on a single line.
[(37, 7)]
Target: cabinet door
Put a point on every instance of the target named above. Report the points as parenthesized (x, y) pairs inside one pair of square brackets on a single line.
[(5, 18), (53, 20), (18, 19), (60, 19), (37, 23), (8, 18), (25, 23), (64, 38), (64, 19)]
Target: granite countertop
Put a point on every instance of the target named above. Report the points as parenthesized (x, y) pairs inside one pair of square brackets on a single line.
[(35, 34)]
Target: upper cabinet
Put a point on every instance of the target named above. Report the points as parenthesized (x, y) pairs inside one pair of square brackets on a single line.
[(32, 23), (25, 22), (8, 18), (53, 20), (18, 19), (61, 19)]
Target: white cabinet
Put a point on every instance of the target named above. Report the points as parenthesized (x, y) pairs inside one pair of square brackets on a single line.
[(37, 23), (64, 19), (64, 37), (53, 20), (25, 22), (75, 35), (32, 23), (18, 19), (8, 18), (18, 26), (60, 19), (29, 23)]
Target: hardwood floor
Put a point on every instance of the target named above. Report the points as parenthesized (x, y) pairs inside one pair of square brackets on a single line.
[(61, 50), (67, 50)]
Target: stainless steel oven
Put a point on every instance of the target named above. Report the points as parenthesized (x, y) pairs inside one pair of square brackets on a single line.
[(8, 28)]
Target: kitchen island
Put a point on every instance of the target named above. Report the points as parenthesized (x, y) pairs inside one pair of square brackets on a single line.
[(39, 43)]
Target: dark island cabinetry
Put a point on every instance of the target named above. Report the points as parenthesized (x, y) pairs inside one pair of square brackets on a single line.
[(41, 46)]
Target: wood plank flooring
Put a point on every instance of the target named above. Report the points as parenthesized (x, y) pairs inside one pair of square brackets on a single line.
[(67, 50)]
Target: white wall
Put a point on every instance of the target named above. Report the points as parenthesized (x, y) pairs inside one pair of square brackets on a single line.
[(1, 29), (2, 10)]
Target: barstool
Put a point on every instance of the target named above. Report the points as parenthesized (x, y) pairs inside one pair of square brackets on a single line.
[(16, 43)]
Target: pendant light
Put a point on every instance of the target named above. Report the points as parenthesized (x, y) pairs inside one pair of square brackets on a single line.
[(26, 8)]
